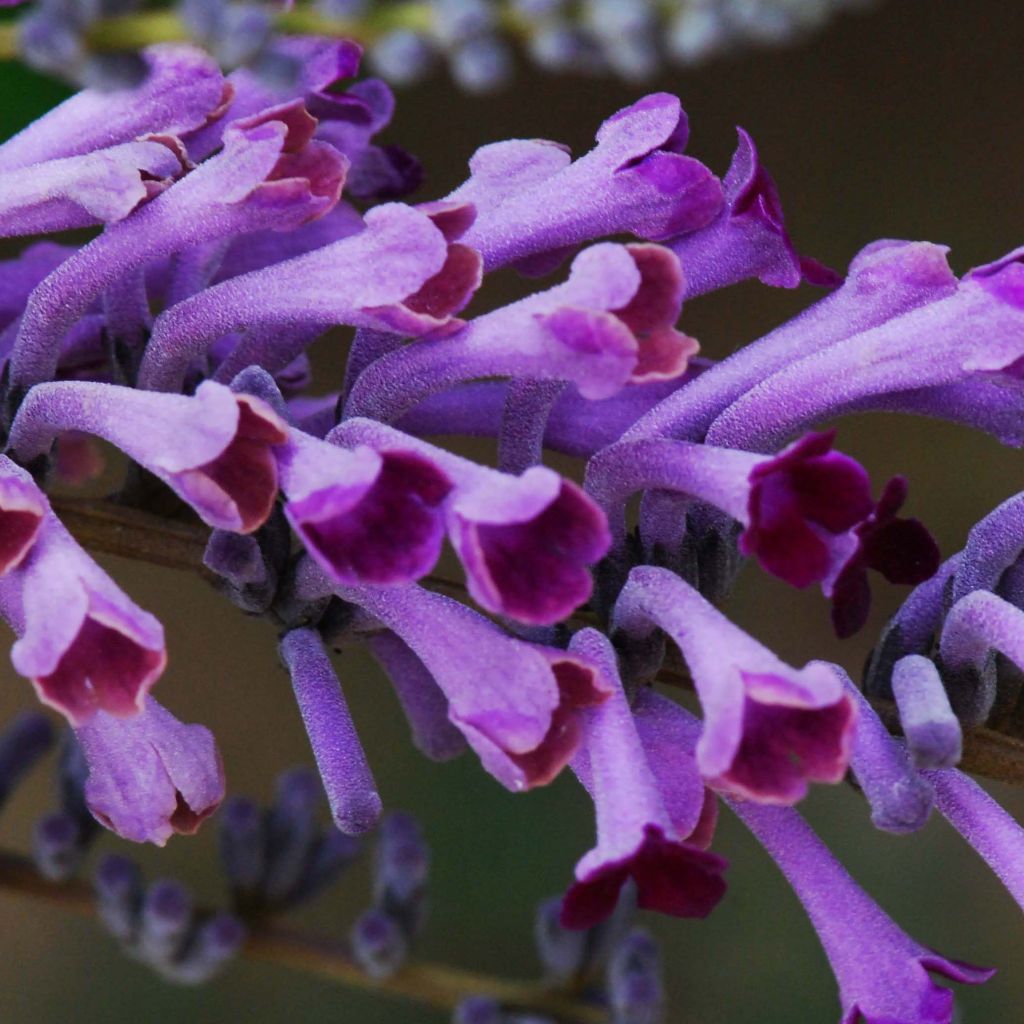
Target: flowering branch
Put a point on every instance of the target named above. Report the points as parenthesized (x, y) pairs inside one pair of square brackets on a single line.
[(436, 985), (115, 529)]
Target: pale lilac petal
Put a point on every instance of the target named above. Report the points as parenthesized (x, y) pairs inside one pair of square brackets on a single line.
[(150, 776)]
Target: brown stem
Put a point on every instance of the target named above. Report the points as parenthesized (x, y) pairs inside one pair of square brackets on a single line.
[(432, 984), (118, 530), (114, 529)]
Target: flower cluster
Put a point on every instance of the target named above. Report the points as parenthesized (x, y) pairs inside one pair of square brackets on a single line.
[(238, 221), (632, 39)]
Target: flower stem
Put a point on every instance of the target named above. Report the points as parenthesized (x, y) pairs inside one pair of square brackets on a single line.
[(432, 984)]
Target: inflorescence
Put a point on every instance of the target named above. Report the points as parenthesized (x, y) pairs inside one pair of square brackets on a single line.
[(100, 43), (238, 221)]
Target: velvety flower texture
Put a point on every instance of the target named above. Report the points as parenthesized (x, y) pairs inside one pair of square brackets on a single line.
[(225, 248), (609, 324), (807, 512), (637, 837), (365, 516), (812, 519), (768, 729), (214, 449), (883, 973), (525, 542), (270, 173), (22, 510), (150, 776), (83, 644)]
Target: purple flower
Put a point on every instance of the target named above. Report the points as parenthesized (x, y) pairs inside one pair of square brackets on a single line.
[(975, 626), (575, 425), (150, 776), (636, 837), (882, 972), (349, 123), (370, 279), (811, 519), (319, 64), (885, 280), (183, 90), (365, 516), (609, 324), (582, 684), (802, 506), (769, 729), (993, 833), (902, 550), (532, 201), (22, 510), (269, 174), (103, 186), (526, 551), (899, 798), (214, 449), (669, 734), (748, 238), (525, 542), (509, 699), (808, 512), (84, 645), (422, 700), (976, 333), (932, 731)]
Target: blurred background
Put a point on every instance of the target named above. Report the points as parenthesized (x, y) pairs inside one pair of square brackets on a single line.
[(902, 121)]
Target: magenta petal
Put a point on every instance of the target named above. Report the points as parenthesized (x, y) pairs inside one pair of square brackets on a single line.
[(802, 505), (769, 729), (84, 645), (580, 685), (22, 509), (101, 660), (379, 523), (245, 472), (671, 877), (785, 747), (214, 448), (533, 565)]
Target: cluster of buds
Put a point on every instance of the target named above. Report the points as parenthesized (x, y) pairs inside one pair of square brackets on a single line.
[(241, 220), (90, 43)]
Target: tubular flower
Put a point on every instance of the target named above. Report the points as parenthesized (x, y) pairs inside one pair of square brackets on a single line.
[(214, 448), (150, 776), (82, 643), (769, 729), (637, 837)]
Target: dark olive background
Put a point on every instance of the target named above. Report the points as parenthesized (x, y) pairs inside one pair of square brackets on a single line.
[(900, 122)]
